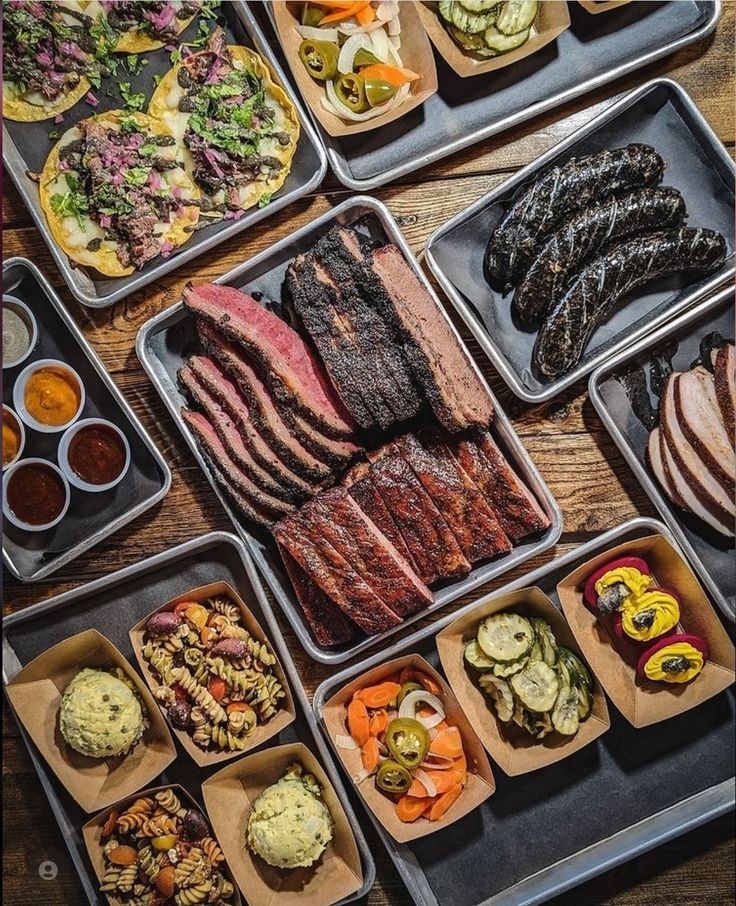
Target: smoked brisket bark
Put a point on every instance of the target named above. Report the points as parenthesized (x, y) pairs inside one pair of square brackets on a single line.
[(724, 370), (440, 366), (226, 393), (301, 445), (290, 368), (315, 299), (433, 547), (343, 265), (377, 561), (455, 495), (232, 440), (251, 501), (337, 578), (328, 623), (361, 488), (513, 503)]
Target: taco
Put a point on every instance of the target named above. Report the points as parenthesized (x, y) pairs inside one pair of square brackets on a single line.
[(239, 128), (47, 54), (143, 25), (116, 192)]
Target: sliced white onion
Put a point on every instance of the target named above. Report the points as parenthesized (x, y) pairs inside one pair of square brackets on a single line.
[(345, 742), (361, 775), (412, 701), (425, 781), (318, 34), (438, 763), (348, 51), (384, 10), (432, 733), (395, 41), (380, 42), (394, 25), (352, 28), (394, 56), (333, 104)]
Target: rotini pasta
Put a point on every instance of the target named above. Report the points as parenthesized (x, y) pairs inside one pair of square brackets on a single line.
[(203, 651), (192, 859)]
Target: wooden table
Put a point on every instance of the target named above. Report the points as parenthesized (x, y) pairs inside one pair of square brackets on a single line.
[(577, 458)]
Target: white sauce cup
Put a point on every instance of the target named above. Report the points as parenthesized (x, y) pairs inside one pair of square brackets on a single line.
[(10, 515), (19, 392), (24, 311), (21, 431), (63, 455)]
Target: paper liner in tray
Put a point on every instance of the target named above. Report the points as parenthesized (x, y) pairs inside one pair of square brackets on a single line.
[(35, 694), (229, 796), (614, 660), (283, 717), (552, 19), (480, 783), (513, 749), (416, 54), (601, 6), (92, 829)]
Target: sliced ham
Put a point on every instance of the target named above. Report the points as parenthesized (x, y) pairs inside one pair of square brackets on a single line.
[(289, 366), (724, 370)]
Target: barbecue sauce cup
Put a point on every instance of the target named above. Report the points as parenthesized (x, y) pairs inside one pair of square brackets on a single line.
[(614, 661)]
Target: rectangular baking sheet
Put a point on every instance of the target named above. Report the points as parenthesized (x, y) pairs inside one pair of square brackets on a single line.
[(26, 146), (91, 517), (541, 834), (659, 113), (711, 554), (112, 604), (595, 50), (164, 342)]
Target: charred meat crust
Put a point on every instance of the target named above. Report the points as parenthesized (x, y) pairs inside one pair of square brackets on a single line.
[(725, 378), (538, 209), (563, 337), (584, 235)]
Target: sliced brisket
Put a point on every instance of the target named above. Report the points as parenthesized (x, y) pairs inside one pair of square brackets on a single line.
[(724, 369), (290, 368), (337, 578), (364, 493), (377, 561), (442, 369), (232, 440), (251, 501), (433, 547), (455, 495), (328, 623), (209, 375), (509, 498)]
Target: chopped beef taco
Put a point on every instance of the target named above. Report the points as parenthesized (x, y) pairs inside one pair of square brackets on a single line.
[(143, 25), (116, 192), (47, 54), (239, 128)]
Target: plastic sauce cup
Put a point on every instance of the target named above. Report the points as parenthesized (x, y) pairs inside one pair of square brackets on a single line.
[(19, 391), (63, 455), (24, 312), (8, 413), (8, 512)]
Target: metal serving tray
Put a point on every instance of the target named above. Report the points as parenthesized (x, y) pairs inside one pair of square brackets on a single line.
[(659, 113), (91, 517), (26, 147), (711, 554), (593, 51), (164, 341), (543, 833), (112, 605)]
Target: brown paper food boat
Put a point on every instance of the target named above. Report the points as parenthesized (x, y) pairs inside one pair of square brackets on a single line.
[(515, 751), (643, 702), (416, 54), (283, 717), (91, 833), (480, 784), (552, 19), (601, 6), (35, 694), (229, 795)]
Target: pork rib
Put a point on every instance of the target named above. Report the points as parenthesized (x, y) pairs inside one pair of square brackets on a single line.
[(439, 365), (455, 495), (328, 623), (291, 369), (509, 498), (433, 547)]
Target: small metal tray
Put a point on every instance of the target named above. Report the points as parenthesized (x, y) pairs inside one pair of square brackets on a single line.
[(27, 145), (543, 833), (112, 605), (711, 554), (164, 341), (595, 50), (91, 517), (660, 114)]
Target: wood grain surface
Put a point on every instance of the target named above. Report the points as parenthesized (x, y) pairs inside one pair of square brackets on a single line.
[(583, 468)]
